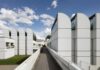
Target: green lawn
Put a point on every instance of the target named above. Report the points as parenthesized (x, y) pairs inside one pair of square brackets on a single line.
[(14, 60)]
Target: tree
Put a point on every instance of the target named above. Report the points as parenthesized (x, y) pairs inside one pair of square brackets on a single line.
[(48, 37)]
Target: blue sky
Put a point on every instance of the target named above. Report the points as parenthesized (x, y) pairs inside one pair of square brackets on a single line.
[(41, 13)]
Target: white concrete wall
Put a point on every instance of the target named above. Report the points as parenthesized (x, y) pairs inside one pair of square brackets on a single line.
[(14, 37), (82, 34), (64, 36), (2, 47), (98, 38), (54, 38), (4, 52), (21, 42), (6, 33), (61, 36), (95, 35), (9, 53), (29, 41)]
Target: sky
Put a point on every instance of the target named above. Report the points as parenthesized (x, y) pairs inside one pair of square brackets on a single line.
[(39, 15)]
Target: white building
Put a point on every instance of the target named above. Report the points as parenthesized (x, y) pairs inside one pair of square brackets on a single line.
[(21, 41), (81, 40), (15, 38), (61, 36), (6, 44), (95, 39), (29, 43)]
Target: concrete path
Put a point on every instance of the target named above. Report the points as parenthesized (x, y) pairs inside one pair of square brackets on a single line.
[(8, 67), (46, 61)]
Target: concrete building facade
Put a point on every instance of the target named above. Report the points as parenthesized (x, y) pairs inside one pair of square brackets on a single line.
[(81, 40), (21, 41), (6, 44), (77, 39), (14, 36), (95, 39), (61, 36), (16, 42), (29, 41)]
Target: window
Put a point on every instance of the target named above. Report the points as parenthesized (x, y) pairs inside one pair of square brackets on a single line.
[(7, 45), (10, 34), (25, 34), (17, 33), (12, 45)]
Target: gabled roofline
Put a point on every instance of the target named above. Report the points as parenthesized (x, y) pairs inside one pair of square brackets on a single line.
[(73, 17), (91, 17)]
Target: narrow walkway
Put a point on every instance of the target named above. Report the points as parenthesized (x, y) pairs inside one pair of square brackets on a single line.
[(46, 61), (8, 67)]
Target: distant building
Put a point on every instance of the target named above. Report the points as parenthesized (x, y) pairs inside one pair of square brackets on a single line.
[(16, 42), (7, 44)]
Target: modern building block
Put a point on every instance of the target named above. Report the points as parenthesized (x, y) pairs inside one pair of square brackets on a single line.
[(95, 39), (81, 38), (21, 41), (6, 45), (15, 37), (61, 36), (29, 44)]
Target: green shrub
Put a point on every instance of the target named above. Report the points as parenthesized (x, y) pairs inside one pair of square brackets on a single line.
[(13, 60)]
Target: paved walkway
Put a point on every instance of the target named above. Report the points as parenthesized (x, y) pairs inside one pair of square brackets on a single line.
[(8, 67), (46, 61)]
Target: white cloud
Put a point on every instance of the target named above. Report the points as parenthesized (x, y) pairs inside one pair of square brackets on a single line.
[(25, 15), (46, 19), (43, 34), (54, 3), (2, 25), (28, 10), (48, 8)]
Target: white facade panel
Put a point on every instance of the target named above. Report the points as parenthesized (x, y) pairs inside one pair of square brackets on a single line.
[(61, 36), (83, 33), (83, 44), (29, 44), (63, 21), (98, 53), (64, 33), (2, 54), (83, 60), (9, 53), (65, 53), (14, 37), (29, 41), (98, 20), (83, 21), (98, 44), (64, 44), (81, 38), (98, 60), (5, 33), (21, 42), (98, 33), (83, 53)]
